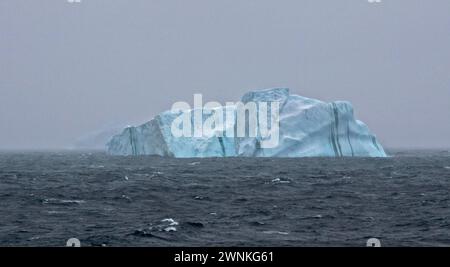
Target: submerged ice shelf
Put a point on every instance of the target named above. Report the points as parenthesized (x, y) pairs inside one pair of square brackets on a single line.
[(307, 128)]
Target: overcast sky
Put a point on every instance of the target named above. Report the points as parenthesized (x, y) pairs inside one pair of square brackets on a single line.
[(67, 69)]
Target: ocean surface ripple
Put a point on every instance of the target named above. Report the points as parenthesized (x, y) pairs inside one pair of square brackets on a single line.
[(49, 197)]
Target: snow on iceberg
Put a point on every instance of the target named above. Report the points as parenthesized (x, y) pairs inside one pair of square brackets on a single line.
[(307, 128)]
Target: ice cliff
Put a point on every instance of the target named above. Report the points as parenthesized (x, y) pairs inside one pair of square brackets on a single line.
[(307, 128)]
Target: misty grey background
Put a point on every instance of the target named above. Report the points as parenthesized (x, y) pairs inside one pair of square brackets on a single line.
[(70, 69)]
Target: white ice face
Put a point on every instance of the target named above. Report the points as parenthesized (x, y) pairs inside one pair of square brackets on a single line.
[(307, 128)]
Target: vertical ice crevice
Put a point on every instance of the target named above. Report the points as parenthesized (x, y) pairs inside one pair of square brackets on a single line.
[(348, 138), (335, 130), (165, 144), (336, 125), (374, 141), (132, 142), (332, 137), (222, 146)]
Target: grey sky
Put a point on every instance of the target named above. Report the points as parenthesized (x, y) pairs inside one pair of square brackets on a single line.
[(70, 69)]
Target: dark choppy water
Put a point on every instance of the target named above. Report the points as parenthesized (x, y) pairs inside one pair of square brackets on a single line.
[(48, 197)]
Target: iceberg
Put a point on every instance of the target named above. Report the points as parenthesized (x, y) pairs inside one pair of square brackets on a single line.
[(307, 128)]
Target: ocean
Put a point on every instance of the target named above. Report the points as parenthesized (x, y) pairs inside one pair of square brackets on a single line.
[(48, 197)]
